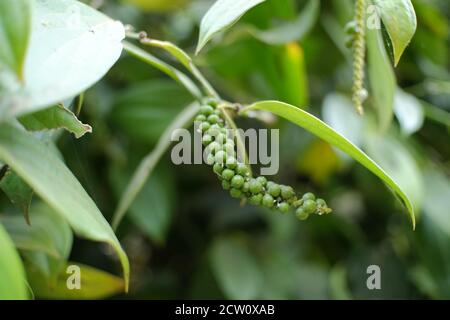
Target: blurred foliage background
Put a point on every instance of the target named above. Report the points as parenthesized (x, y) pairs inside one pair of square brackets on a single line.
[(186, 238)]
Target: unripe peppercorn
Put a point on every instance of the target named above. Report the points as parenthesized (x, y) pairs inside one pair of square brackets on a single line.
[(231, 163), (221, 138), (273, 189), (321, 203), (256, 199), (218, 168), (287, 192), (309, 206), (204, 126), (206, 110), (242, 169), (210, 159), (229, 147), (213, 147), (283, 207), (255, 186), (226, 184), (268, 201), (308, 196), (206, 139), (220, 157), (237, 181), (301, 214), (200, 118), (262, 180), (235, 193), (245, 187), (227, 174), (213, 118)]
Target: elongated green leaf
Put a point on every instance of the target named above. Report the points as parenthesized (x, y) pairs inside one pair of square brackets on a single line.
[(12, 275), (56, 185), (48, 232), (400, 21), (54, 118), (17, 191), (15, 28), (149, 163), (292, 30), (72, 46), (235, 269), (94, 283), (382, 78), (222, 15), (323, 131)]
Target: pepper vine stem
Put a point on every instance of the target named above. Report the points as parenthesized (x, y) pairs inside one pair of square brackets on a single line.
[(359, 51)]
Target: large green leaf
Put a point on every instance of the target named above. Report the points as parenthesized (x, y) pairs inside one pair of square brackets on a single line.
[(323, 131), (382, 78), (235, 269), (222, 15), (15, 27), (292, 30), (94, 284), (72, 46), (56, 185), (55, 117), (18, 192), (48, 232), (400, 21), (12, 275)]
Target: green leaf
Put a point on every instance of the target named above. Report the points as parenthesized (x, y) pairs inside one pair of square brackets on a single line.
[(48, 232), (148, 164), (18, 192), (15, 28), (409, 112), (94, 284), (382, 78), (72, 46), (235, 269), (147, 102), (222, 15), (323, 131), (292, 30), (399, 18), (56, 185), (12, 276), (55, 117)]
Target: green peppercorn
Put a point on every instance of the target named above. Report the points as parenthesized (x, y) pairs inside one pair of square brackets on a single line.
[(213, 119), (268, 201), (235, 193), (231, 163), (262, 180), (242, 169), (213, 147), (308, 196), (221, 138), (228, 147), (255, 186), (206, 139), (210, 159), (321, 203), (283, 207), (301, 214), (287, 192), (237, 181), (206, 110), (309, 206), (204, 126), (218, 168), (200, 118), (273, 189), (245, 187), (227, 174), (220, 157), (256, 199), (226, 185)]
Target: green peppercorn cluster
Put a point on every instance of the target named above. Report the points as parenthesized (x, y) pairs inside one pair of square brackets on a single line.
[(236, 177)]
